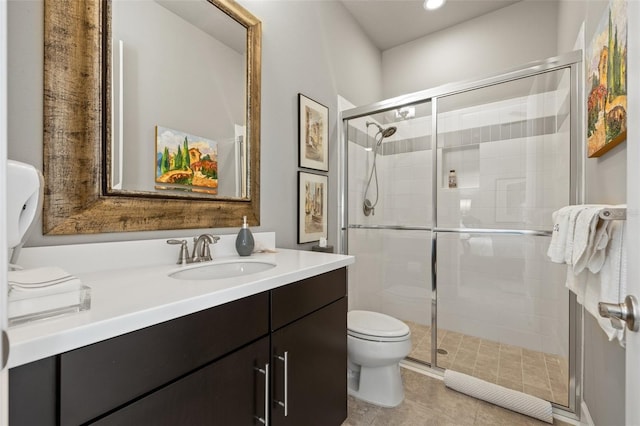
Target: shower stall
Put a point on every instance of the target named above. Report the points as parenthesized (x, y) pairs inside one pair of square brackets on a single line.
[(447, 202)]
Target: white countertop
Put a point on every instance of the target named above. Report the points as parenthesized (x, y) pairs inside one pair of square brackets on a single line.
[(128, 299)]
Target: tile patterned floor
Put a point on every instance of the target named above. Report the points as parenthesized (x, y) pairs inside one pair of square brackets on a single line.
[(536, 373), (429, 402)]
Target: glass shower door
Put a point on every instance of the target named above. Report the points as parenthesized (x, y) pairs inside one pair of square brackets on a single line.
[(389, 217), (502, 307)]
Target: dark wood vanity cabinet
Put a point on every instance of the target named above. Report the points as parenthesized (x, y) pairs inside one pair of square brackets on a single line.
[(310, 381), (206, 368)]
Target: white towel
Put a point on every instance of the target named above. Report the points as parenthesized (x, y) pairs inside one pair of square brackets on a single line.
[(613, 279), (557, 247), (572, 235), (38, 277), (43, 292), (597, 269), (590, 237), (39, 284)]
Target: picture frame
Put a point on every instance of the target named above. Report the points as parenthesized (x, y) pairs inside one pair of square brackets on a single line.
[(313, 134), (312, 207), (606, 81)]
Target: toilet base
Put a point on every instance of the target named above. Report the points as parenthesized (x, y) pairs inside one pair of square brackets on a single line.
[(380, 386)]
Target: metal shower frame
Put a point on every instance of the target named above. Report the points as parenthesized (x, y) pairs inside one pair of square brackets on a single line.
[(570, 61)]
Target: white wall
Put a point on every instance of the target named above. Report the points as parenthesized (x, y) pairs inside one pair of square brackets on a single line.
[(310, 47), (604, 371), (498, 41)]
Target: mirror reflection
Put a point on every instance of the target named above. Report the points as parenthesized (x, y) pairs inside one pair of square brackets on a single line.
[(178, 100)]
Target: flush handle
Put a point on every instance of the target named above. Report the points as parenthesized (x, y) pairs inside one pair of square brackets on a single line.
[(619, 313)]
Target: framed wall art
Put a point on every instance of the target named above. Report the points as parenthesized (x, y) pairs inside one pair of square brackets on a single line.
[(185, 162), (313, 134), (606, 81), (312, 207)]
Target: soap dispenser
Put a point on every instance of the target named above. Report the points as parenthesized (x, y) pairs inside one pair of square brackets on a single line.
[(244, 240)]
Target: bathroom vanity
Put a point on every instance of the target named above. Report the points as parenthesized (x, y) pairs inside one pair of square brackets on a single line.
[(275, 354)]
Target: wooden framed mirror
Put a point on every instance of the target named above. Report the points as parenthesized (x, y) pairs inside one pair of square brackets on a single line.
[(77, 132)]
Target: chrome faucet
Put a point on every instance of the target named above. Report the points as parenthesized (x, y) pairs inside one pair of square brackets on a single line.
[(201, 251)]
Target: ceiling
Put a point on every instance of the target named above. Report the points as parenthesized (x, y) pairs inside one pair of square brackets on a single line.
[(389, 23)]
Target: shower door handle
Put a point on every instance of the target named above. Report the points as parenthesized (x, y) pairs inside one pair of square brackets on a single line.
[(626, 312)]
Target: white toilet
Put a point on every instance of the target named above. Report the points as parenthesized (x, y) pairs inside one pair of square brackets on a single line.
[(376, 343)]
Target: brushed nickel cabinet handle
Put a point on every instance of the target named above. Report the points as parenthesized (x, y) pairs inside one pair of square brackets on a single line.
[(285, 404), (265, 420)]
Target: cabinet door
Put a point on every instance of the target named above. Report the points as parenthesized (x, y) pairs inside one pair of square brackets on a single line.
[(316, 373), (230, 391), (33, 393)]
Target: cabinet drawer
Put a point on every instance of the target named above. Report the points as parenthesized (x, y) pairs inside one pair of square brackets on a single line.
[(100, 377), (296, 300), (228, 392)]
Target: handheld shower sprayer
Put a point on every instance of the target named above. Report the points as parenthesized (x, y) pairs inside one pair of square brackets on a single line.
[(368, 207)]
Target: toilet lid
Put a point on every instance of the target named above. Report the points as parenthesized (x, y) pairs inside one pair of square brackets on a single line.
[(367, 323)]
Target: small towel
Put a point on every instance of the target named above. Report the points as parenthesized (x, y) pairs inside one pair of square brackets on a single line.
[(40, 281), (590, 238), (38, 277), (557, 247), (43, 292), (613, 276), (572, 235)]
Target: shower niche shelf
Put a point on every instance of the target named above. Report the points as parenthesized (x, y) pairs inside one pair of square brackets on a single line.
[(465, 160)]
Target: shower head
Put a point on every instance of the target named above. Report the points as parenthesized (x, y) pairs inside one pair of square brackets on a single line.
[(389, 131)]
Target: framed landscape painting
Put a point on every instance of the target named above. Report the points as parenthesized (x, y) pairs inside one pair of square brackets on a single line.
[(185, 162), (313, 134), (312, 207), (606, 81)]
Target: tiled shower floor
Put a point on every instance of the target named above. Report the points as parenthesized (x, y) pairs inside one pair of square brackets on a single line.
[(535, 373)]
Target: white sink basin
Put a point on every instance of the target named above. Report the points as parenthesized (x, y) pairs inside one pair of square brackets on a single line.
[(219, 270)]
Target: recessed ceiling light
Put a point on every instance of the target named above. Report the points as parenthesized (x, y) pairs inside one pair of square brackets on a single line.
[(433, 4)]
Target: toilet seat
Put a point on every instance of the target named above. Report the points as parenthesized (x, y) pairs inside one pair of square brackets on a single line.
[(375, 326)]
